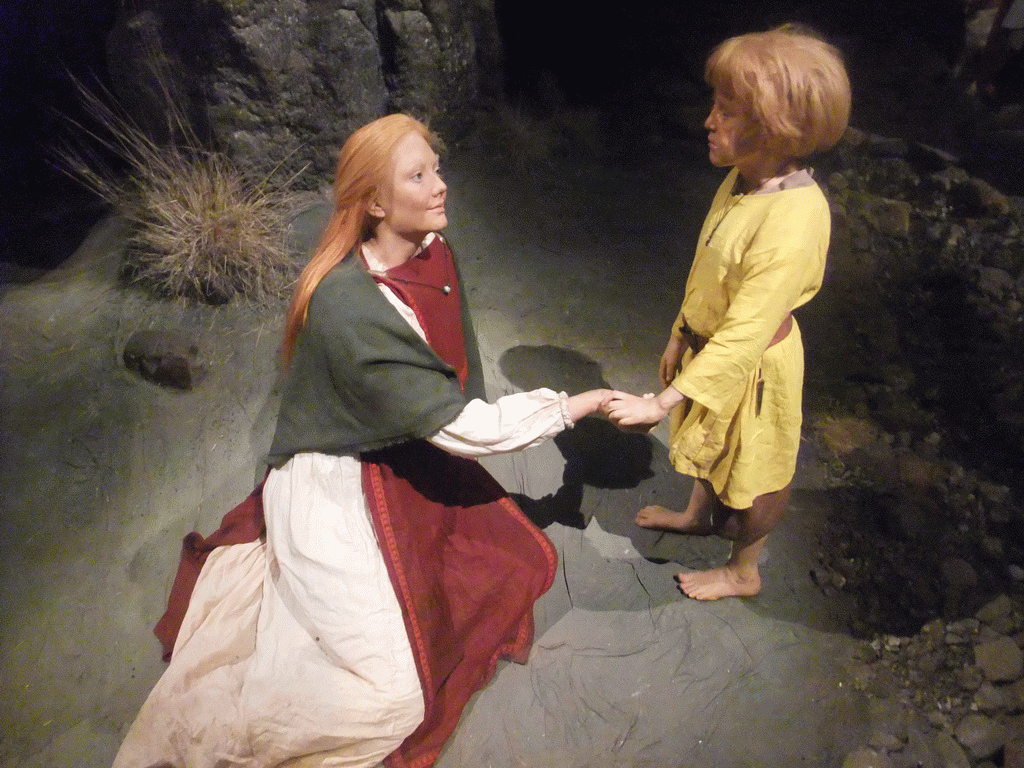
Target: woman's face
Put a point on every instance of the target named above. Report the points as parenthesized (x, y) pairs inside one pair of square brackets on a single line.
[(412, 205), (731, 134)]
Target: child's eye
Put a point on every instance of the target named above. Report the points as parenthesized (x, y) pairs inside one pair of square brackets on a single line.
[(418, 176)]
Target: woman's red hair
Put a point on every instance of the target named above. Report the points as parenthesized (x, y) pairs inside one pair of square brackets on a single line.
[(363, 166)]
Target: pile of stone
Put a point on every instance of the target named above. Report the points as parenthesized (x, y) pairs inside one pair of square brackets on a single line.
[(934, 261), (927, 263), (951, 696)]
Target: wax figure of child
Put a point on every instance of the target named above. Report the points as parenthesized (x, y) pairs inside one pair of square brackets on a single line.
[(394, 571), (733, 366)]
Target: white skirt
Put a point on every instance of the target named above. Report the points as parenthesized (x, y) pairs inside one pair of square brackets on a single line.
[(292, 652)]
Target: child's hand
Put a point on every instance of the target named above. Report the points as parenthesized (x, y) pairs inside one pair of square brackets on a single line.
[(670, 359), (631, 413)]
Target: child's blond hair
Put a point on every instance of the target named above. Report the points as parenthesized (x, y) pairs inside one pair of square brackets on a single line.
[(790, 82)]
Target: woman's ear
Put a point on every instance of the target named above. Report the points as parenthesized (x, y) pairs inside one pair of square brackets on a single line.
[(374, 208)]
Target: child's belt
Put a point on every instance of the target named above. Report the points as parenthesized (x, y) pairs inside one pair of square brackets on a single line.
[(696, 342)]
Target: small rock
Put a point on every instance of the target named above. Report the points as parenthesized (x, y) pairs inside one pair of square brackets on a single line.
[(867, 651), (993, 547), (962, 631), (917, 471), (933, 631), (999, 614), (995, 282), (980, 736), (862, 676), (969, 678), (892, 643), (1014, 694), (1000, 660), (889, 716), (164, 357), (1014, 725), (911, 519), (899, 377), (837, 182), (993, 493), (926, 664), (951, 754), (891, 217), (989, 699), (865, 757), (1015, 572), (1013, 753), (884, 742)]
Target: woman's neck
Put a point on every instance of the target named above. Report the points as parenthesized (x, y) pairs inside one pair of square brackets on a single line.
[(387, 249)]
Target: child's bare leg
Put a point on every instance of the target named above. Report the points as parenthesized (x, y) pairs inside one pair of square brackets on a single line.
[(697, 518), (740, 576)]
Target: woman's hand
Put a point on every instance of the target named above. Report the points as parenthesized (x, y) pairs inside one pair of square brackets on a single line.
[(670, 359), (588, 402)]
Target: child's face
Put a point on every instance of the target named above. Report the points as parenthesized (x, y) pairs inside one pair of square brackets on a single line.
[(731, 134)]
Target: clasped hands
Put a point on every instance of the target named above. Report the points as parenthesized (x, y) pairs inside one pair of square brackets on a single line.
[(634, 413), (641, 413)]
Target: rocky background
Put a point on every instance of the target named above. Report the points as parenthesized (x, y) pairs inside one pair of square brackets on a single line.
[(275, 85), (287, 81), (927, 275)]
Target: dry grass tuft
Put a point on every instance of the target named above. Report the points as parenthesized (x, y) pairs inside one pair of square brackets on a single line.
[(202, 228)]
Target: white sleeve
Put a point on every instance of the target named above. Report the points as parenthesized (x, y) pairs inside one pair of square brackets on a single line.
[(512, 423)]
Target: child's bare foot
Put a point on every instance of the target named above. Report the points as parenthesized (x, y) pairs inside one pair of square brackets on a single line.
[(727, 581), (664, 519)]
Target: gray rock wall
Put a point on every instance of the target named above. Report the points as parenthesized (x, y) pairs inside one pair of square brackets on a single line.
[(285, 81)]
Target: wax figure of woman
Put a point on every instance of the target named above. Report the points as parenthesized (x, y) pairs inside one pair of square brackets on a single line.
[(733, 366), (394, 570)]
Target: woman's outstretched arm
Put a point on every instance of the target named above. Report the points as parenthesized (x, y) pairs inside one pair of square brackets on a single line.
[(516, 422)]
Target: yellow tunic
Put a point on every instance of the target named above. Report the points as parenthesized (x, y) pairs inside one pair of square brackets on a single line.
[(759, 256)]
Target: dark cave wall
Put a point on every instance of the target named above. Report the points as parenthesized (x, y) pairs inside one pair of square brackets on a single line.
[(284, 81), (288, 80), (41, 41), (263, 78)]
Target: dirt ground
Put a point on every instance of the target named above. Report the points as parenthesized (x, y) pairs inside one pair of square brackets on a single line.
[(576, 267)]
